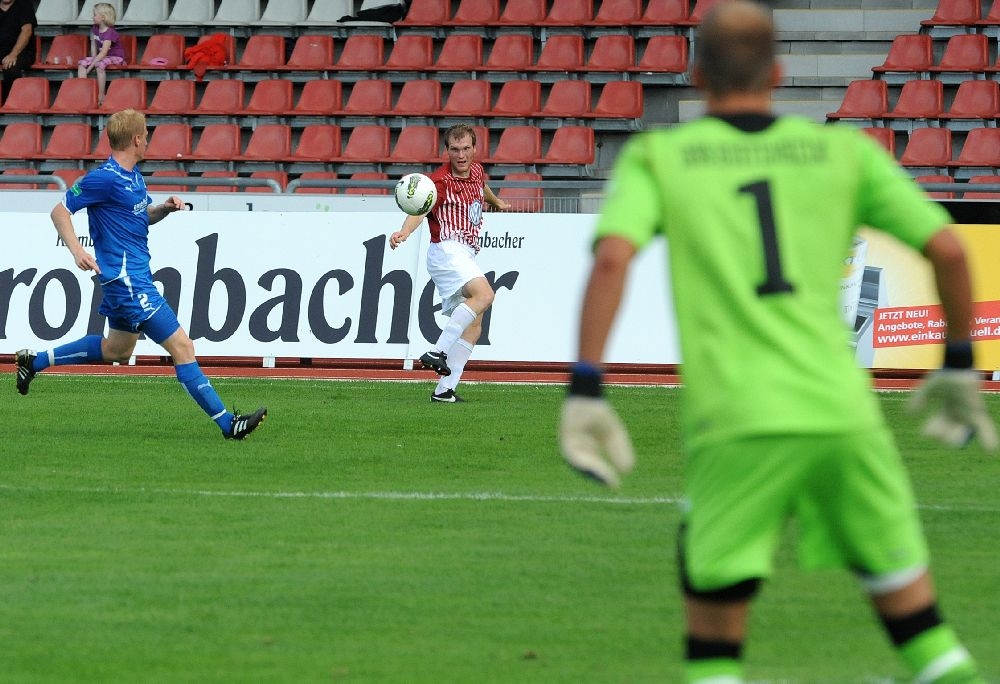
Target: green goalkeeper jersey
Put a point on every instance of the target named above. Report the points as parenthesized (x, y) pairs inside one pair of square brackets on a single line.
[(759, 214)]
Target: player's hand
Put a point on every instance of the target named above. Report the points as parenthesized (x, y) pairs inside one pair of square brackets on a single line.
[(173, 203), (593, 439), (85, 261), (397, 239), (958, 412)]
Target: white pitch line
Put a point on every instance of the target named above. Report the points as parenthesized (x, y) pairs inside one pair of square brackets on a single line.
[(414, 496)]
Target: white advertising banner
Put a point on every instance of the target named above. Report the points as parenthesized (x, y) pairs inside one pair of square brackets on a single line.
[(327, 285)]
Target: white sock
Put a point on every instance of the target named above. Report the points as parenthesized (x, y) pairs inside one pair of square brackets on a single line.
[(457, 356), (461, 318)]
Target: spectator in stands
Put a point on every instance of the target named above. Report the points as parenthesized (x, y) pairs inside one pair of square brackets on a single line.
[(105, 47), (119, 212), (17, 41), (455, 221), (778, 419)]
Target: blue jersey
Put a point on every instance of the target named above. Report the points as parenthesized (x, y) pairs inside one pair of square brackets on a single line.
[(116, 201)]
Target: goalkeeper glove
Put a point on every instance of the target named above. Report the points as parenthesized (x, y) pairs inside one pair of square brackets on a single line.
[(592, 438), (958, 411)]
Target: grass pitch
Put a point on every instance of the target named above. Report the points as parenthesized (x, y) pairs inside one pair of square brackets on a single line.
[(366, 535)]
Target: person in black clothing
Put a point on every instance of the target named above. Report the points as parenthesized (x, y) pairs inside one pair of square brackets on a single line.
[(17, 41)]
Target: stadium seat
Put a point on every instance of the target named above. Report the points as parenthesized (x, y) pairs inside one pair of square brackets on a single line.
[(362, 52), (130, 45), (955, 13), (908, 53), (268, 142), (173, 97), (937, 179), (65, 50), (666, 13), (283, 13), (124, 93), (75, 95), (222, 96), (103, 148), (992, 17), (570, 13), (571, 145), (228, 45), (664, 54), (280, 177), (162, 187), (191, 12), (217, 188), (316, 175), (218, 142), (236, 13), (167, 49), (19, 186), (58, 12), (620, 100), (327, 12), (918, 99), (318, 142), (272, 96), (980, 149), (411, 52), (167, 142), (85, 17), (476, 13), (567, 99), (612, 52), (70, 141), (262, 52), (517, 145), (699, 8), (21, 141), (864, 99), (885, 137), (511, 52), (417, 145), (368, 176), (27, 95), (482, 134), (460, 52), (145, 12), (369, 97), (523, 13), (982, 180), (427, 13), (974, 100), (518, 98), (367, 144), (70, 175), (967, 52), (523, 200), (319, 97), (619, 13), (927, 147), (561, 52), (419, 97), (470, 97), (311, 52)]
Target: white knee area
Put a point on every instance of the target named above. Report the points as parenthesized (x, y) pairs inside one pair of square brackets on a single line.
[(879, 585)]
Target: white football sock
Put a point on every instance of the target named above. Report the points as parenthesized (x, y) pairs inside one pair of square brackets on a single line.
[(461, 318), (457, 356)]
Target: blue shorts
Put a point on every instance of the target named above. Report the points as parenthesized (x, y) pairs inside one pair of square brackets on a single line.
[(139, 309)]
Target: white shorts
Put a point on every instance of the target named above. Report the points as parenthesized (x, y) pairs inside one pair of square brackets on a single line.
[(451, 265)]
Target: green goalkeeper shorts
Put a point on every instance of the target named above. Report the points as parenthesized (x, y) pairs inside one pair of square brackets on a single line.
[(849, 494)]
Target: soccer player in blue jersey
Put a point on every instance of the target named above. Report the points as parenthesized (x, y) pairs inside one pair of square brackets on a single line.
[(120, 211), (778, 421)]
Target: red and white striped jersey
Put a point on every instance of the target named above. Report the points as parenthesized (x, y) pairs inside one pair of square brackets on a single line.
[(458, 213)]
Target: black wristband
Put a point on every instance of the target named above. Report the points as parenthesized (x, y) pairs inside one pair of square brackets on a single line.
[(585, 380), (958, 355)]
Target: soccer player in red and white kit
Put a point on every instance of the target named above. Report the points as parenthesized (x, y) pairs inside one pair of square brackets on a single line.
[(455, 221)]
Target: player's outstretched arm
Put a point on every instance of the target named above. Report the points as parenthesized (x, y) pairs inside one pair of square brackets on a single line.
[(63, 221), (410, 225)]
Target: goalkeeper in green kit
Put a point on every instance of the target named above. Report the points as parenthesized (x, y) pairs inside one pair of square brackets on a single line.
[(778, 420)]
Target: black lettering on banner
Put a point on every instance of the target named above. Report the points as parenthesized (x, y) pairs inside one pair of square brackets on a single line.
[(170, 278), (205, 279), (317, 314), (507, 281), (8, 281), (372, 286), (289, 302), (36, 305), (95, 321), (426, 309)]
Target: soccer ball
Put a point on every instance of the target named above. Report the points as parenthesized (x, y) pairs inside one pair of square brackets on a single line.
[(415, 194)]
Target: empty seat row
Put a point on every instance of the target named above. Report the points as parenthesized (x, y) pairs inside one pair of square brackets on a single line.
[(201, 12), (933, 148), (963, 13), (317, 143), (369, 97), (961, 188), (556, 13), (458, 52), (920, 99), (914, 53)]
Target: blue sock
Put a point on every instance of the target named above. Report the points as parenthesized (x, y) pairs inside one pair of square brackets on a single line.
[(201, 390), (84, 350)]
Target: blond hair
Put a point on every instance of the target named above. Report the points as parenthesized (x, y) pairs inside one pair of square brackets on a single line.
[(106, 11), (123, 126)]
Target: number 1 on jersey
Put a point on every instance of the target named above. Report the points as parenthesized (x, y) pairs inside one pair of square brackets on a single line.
[(775, 282)]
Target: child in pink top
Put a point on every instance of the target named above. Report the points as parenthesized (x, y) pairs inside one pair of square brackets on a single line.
[(105, 47)]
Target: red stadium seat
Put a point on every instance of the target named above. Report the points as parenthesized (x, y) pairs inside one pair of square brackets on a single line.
[(928, 147), (699, 8), (173, 97), (222, 96), (992, 17), (864, 99), (75, 95), (311, 52), (65, 50), (316, 175), (272, 96), (523, 199), (70, 141), (263, 52), (368, 175), (319, 97), (164, 187), (981, 148), (367, 144), (419, 97), (511, 52), (975, 100), (937, 179), (518, 98), (664, 54), (955, 13), (69, 176), (417, 145), (167, 49), (482, 135), (471, 97), (571, 145), (427, 13), (517, 145), (909, 52), (27, 95), (217, 188), (886, 137), (19, 186), (411, 53), (362, 53), (570, 13), (982, 180), (460, 52), (318, 143), (476, 13), (666, 13), (523, 13), (561, 52), (103, 149), (369, 97), (620, 100), (612, 52), (965, 53), (131, 47), (124, 93), (918, 99), (280, 177), (170, 141), (268, 142), (218, 142), (619, 13), (568, 99)]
